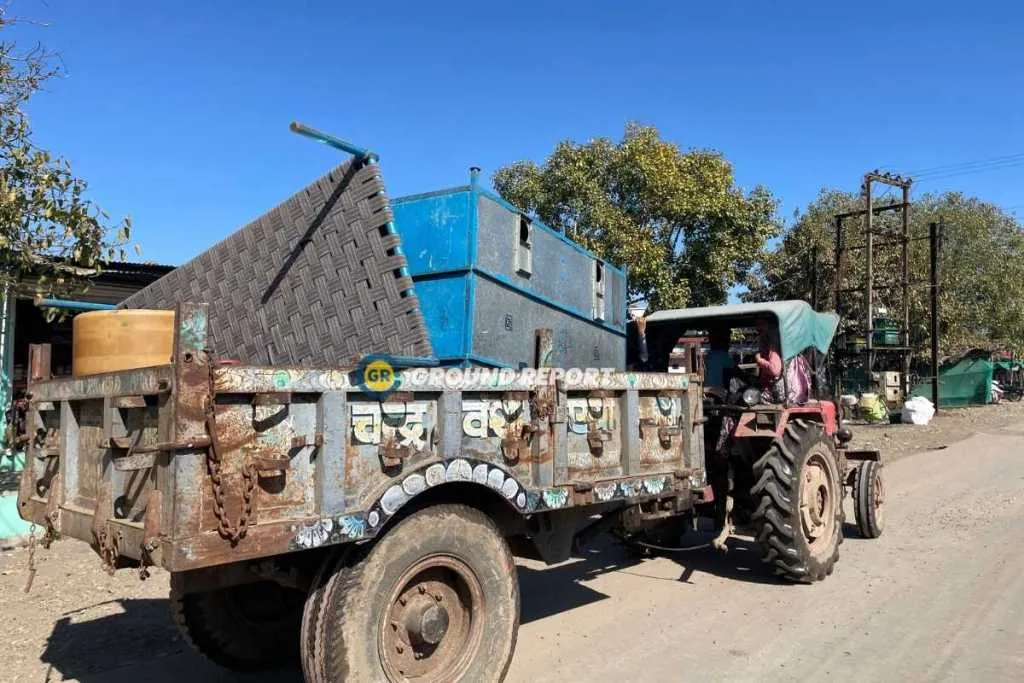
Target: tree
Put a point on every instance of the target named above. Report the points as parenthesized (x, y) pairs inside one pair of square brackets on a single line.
[(52, 238), (676, 219), (982, 268)]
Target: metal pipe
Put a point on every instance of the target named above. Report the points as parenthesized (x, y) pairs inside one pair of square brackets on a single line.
[(839, 259), (75, 305), (837, 366), (7, 312), (474, 175), (331, 141), (933, 234), (905, 268), (814, 276), (870, 285)]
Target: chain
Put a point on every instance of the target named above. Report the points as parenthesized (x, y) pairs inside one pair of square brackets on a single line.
[(50, 535), (31, 558), (145, 559), (109, 552), (228, 531)]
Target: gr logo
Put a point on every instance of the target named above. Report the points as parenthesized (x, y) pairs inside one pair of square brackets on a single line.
[(376, 376)]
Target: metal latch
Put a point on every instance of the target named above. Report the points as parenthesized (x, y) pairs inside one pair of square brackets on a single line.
[(143, 456), (392, 454), (597, 436), (264, 463), (513, 445), (302, 441), (665, 432)]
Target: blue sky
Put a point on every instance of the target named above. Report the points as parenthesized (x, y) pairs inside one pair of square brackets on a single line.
[(177, 113)]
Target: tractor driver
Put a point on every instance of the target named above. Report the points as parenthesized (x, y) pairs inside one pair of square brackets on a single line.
[(718, 363), (769, 363)]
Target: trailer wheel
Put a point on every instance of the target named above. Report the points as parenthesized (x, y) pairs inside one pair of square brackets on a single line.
[(248, 627), (311, 640), (868, 499), (436, 599), (799, 517)]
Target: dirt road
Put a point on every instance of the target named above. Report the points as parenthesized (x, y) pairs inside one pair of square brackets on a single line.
[(938, 597)]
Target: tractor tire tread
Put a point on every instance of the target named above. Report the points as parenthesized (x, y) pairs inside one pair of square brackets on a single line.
[(778, 512)]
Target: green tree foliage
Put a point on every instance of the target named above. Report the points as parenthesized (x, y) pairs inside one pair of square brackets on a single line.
[(676, 219), (52, 238), (982, 268)]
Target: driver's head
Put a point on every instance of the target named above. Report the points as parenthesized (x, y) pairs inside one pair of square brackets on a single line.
[(718, 338), (766, 337)]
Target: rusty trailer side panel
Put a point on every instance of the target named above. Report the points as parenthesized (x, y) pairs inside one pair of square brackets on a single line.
[(196, 464)]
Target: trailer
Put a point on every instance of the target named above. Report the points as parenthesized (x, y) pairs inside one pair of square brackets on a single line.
[(362, 520)]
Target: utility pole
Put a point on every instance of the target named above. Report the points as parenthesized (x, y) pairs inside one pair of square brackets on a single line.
[(905, 285), (933, 244), (813, 272), (868, 290), (904, 281), (839, 260), (869, 286)]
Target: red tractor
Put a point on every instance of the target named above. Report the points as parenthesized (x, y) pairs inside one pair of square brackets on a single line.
[(775, 449)]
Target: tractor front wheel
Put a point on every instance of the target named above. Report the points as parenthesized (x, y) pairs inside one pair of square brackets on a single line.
[(799, 491), (868, 499)]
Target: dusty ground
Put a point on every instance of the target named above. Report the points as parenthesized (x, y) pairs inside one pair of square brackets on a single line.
[(938, 597), (946, 428)]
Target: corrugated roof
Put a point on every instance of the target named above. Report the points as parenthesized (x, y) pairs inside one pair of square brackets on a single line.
[(134, 272)]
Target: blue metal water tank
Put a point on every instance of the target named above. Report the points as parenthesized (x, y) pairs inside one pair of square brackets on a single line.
[(487, 277)]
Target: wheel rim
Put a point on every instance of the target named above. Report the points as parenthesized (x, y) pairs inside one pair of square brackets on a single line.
[(818, 502), (879, 499), (433, 621)]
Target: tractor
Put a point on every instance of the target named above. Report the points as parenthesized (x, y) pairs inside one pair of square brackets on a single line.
[(776, 453)]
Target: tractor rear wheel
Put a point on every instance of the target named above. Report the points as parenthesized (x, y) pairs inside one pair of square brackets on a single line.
[(868, 499), (799, 517)]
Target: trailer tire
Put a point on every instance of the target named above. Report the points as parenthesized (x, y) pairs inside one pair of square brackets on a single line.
[(312, 637), (436, 599), (799, 518), (246, 628), (868, 499)]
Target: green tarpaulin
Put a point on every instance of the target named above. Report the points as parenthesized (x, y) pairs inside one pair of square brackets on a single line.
[(800, 326), (968, 381)]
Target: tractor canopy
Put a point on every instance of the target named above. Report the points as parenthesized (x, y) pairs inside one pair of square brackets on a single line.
[(800, 327)]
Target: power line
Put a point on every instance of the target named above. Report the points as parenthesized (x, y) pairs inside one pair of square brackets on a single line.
[(965, 164), (969, 171), (952, 170)]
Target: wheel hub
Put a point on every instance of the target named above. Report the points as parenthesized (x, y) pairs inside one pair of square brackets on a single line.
[(432, 626), (428, 626), (817, 502)]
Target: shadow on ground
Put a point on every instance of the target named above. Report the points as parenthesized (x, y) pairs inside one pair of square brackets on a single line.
[(141, 643), (547, 592)]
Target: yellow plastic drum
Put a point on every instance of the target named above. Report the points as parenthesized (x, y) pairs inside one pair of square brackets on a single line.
[(109, 341)]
